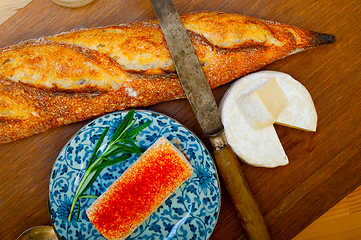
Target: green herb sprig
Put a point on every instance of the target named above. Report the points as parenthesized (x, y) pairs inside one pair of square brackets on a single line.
[(119, 148)]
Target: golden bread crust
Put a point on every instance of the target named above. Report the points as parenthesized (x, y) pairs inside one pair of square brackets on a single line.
[(80, 74)]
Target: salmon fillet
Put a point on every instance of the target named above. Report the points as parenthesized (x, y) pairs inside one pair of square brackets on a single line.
[(140, 190), (74, 76)]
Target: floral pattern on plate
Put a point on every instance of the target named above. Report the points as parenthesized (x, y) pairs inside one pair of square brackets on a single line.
[(191, 212)]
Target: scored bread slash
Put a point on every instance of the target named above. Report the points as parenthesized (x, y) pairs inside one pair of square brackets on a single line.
[(77, 75), (140, 190)]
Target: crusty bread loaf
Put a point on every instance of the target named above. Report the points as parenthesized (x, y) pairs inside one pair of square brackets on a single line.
[(77, 75), (140, 190)]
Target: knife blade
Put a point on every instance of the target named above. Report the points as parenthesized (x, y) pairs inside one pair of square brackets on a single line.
[(199, 94)]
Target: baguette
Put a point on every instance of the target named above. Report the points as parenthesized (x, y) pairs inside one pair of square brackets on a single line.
[(77, 75)]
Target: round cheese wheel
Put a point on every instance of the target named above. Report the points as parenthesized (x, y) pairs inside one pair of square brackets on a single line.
[(261, 147)]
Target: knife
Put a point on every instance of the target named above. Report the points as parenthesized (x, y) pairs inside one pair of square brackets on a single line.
[(201, 99)]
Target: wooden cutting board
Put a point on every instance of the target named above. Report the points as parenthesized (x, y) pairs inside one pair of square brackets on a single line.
[(324, 166)]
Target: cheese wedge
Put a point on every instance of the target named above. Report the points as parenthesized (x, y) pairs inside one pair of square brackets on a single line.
[(140, 190), (248, 118), (263, 106)]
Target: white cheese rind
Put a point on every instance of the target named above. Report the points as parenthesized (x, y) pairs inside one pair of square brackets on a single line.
[(300, 111), (262, 147), (254, 111)]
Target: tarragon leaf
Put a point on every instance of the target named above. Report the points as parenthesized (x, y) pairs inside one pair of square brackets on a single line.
[(119, 149)]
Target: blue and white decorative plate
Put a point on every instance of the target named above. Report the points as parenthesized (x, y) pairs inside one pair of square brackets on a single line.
[(190, 213)]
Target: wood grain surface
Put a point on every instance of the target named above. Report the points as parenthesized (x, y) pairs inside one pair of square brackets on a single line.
[(341, 222), (9, 7), (324, 166)]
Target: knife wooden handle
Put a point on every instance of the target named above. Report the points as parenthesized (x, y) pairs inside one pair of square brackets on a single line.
[(238, 189)]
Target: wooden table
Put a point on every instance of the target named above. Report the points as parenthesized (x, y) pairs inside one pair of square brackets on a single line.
[(324, 166)]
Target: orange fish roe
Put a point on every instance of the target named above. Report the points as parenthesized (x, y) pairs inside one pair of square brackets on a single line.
[(140, 190)]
